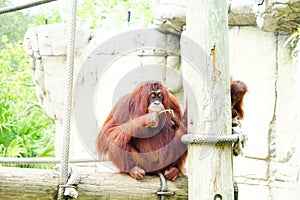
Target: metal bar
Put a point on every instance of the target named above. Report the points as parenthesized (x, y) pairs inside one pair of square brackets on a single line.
[(23, 6)]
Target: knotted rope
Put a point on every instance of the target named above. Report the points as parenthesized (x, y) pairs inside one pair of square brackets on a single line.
[(73, 181), (237, 138)]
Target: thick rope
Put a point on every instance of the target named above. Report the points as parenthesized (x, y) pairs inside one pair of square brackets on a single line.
[(238, 138), (73, 181), (237, 147), (209, 139), (68, 96), (23, 6)]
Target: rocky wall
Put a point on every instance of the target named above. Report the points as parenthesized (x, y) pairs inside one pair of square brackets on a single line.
[(46, 46), (269, 168), (281, 16)]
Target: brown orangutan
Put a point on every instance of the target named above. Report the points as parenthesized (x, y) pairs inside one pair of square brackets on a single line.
[(142, 134), (237, 89)]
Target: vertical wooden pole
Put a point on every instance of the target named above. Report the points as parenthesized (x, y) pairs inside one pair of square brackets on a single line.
[(210, 166)]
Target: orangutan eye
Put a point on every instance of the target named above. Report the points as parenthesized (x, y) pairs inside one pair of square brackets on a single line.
[(152, 95), (159, 95)]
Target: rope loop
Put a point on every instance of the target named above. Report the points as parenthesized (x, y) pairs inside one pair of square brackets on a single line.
[(238, 139), (72, 182)]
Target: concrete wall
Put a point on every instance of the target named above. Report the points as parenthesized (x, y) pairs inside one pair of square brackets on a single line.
[(269, 168), (46, 46)]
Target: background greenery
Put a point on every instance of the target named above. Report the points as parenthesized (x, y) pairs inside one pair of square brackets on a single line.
[(25, 129)]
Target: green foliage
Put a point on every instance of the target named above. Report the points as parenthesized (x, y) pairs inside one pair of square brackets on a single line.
[(293, 39), (25, 130), (92, 13), (47, 16), (114, 13), (13, 25)]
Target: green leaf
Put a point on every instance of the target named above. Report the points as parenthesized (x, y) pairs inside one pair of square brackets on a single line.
[(48, 150), (16, 148)]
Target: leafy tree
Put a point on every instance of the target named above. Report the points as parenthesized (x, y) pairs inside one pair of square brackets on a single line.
[(114, 13), (47, 16), (25, 130), (13, 25)]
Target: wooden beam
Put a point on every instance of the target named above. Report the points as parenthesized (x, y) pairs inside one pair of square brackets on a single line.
[(28, 183), (210, 166)]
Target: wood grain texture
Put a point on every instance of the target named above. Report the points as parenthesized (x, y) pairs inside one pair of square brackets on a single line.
[(22, 183), (210, 166)]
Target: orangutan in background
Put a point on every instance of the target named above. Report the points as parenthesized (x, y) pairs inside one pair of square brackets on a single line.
[(237, 89)]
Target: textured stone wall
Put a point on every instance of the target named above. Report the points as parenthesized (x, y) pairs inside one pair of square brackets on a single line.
[(281, 16), (278, 15), (46, 45), (269, 168)]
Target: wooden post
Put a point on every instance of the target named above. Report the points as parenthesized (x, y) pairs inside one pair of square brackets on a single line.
[(22, 183), (210, 166)]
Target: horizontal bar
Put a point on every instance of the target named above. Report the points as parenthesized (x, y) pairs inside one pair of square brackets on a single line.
[(44, 160)]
